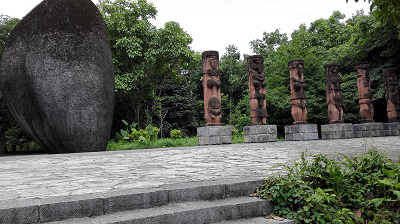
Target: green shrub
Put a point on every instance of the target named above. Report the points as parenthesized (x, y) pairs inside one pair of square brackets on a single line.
[(131, 134), (159, 143), (17, 141), (362, 189), (175, 134)]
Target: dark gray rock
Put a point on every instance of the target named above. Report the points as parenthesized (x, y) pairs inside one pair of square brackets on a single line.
[(57, 76)]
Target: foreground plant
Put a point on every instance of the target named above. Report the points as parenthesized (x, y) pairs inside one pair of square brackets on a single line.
[(361, 189)]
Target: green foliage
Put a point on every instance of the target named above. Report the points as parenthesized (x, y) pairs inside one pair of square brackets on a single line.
[(358, 40), (159, 143), (7, 24), (362, 189), (175, 134), (386, 11), (149, 64), (17, 141), (131, 134), (269, 42)]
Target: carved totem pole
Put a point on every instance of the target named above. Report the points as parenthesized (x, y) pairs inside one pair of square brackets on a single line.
[(364, 94), (297, 92), (258, 111), (211, 88), (333, 97), (392, 94)]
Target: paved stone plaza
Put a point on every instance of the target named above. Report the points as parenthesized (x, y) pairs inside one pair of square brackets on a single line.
[(43, 176)]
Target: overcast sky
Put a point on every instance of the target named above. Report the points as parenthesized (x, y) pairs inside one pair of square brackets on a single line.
[(214, 24)]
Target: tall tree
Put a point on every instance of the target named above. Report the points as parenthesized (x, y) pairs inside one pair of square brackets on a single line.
[(7, 24), (144, 57)]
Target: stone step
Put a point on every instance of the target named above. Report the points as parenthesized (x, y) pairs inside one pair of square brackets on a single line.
[(91, 205), (197, 212), (257, 220)]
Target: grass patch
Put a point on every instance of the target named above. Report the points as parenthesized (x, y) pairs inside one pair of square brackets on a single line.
[(159, 143), (361, 189)]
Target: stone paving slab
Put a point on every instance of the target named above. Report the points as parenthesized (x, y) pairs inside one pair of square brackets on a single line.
[(46, 176)]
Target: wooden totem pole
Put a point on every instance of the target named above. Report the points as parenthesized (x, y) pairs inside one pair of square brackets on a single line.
[(212, 88), (364, 94), (392, 94), (297, 92), (333, 97), (258, 111)]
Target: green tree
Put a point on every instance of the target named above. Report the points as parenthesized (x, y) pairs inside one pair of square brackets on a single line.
[(145, 59), (269, 42), (234, 88), (358, 40), (386, 11), (7, 24)]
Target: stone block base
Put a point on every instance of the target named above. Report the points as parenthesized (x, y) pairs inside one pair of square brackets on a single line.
[(368, 130), (214, 135), (260, 133), (301, 132), (392, 129), (337, 131)]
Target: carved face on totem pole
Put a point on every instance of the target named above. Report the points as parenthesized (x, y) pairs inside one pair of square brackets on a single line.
[(333, 96), (212, 88), (364, 94), (297, 92), (392, 94), (258, 111)]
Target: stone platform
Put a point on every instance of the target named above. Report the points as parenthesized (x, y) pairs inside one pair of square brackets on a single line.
[(337, 131), (301, 132), (392, 129), (43, 176), (260, 133), (214, 135), (368, 130)]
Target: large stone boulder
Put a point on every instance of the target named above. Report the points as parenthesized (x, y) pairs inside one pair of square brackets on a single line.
[(57, 76)]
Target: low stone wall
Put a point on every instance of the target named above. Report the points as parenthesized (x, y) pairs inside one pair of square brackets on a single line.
[(301, 132), (260, 133), (368, 130), (392, 129), (214, 135), (337, 131)]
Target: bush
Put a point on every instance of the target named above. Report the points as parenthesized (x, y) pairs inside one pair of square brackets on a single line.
[(362, 189), (18, 141), (131, 134), (175, 134)]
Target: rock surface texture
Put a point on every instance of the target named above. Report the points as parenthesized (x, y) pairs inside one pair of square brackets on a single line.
[(57, 76)]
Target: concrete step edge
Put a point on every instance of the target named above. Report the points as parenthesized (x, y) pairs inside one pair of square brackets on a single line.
[(197, 212), (89, 205), (257, 220)]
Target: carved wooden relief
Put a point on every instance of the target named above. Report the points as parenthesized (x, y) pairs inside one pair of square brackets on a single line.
[(364, 94), (258, 111), (392, 94), (212, 88), (333, 96), (297, 92)]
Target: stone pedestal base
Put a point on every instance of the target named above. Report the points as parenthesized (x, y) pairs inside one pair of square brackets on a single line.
[(301, 132), (214, 135), (260, 133), (337, 131), (392, 129), (368, 130)]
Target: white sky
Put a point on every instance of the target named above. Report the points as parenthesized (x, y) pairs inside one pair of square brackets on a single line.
[(214, 24)]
